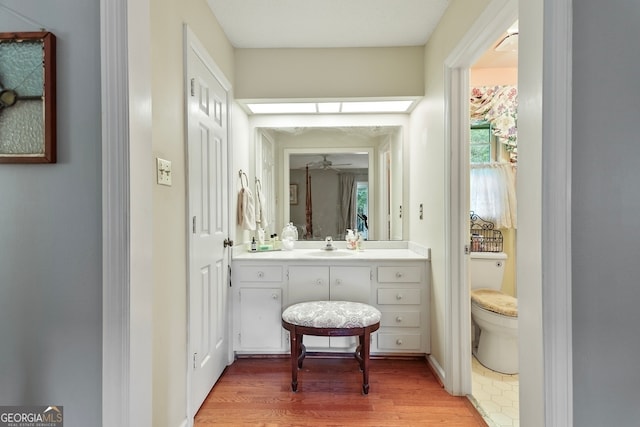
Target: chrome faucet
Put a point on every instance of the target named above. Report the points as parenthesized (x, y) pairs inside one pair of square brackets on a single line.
[(328, 244)]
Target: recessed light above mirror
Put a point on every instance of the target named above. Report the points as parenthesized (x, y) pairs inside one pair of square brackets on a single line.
[(331, 107)]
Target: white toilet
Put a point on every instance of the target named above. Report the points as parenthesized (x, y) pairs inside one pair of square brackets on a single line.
[(494, 315)]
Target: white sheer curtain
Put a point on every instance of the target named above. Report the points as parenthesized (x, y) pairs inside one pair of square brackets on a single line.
[(493, 193)]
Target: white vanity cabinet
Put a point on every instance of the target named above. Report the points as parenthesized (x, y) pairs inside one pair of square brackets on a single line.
[(394, 281), (329, 283), (334, 283), (258, 300), (402, 298)]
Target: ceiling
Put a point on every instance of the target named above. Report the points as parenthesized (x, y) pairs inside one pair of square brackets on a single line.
[(338, 23), (503, 53), (327, 23)]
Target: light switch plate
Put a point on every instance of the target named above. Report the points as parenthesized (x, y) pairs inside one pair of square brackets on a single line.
[(163, 169)]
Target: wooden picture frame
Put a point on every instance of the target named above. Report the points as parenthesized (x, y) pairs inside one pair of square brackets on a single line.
[(27, 97), (293, 194)]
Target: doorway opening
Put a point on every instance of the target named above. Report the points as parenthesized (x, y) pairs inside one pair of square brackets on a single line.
[(492, 146)]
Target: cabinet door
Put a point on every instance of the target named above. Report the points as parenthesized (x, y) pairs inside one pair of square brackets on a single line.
[(318, 283), (308, 283), (350, 284), (260, 318)]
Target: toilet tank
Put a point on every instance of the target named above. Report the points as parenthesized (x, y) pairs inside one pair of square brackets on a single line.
[(486, 269)]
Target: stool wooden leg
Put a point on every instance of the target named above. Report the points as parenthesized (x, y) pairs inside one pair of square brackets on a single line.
[(295, 352), (366, 342), (302, 351), (358, 353)]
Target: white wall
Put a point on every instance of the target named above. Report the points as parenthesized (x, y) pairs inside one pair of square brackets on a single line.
[(605, 206), (169, 203), (329, 73), (50, 232), (243, 159), (428, 159)]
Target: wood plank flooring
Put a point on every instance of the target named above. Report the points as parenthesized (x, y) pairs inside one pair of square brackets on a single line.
[(257, 392)]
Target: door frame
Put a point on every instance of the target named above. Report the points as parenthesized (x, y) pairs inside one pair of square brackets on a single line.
[(498, 16), (127, 235), (552, 394)]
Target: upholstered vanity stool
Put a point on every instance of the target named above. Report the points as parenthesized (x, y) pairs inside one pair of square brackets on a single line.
[(331, 319)]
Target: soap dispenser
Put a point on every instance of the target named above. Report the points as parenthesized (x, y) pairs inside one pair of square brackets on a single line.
[(351, 239)]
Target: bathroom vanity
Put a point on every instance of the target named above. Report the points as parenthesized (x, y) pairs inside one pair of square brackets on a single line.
[(395, 280)]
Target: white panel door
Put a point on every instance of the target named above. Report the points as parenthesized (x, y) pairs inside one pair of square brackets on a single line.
[(207, 228), (266, 152)]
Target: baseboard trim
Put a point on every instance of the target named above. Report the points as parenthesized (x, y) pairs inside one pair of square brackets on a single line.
[(436, 369), (332, 355)]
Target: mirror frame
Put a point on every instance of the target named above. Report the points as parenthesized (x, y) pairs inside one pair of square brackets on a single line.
[(371, 174)]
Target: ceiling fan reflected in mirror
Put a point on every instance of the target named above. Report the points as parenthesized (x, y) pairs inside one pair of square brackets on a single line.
[(325, 164)]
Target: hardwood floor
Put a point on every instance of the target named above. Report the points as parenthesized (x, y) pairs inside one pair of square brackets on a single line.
[(257, 392)]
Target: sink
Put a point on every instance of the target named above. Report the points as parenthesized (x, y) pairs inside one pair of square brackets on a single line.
[(331, 254)]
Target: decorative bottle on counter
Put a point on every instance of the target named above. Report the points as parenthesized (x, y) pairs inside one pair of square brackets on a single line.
[(289, 236), (351, 239)]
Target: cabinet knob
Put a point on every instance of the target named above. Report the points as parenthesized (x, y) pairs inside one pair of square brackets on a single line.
[(260, 274), (398, 275), (319, 282), (399, 341), (399, 319), (399, 296), (274, 296), (338, 282)]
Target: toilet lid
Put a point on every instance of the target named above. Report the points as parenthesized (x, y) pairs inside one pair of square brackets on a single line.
[(495, 301)]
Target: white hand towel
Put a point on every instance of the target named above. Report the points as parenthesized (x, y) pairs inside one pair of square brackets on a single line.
[(246, 210), (260, 216)]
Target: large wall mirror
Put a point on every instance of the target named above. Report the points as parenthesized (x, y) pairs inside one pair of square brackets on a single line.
[(326, 180)]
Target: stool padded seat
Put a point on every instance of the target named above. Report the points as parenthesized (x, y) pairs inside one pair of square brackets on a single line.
[(332, 314), (331, 319)]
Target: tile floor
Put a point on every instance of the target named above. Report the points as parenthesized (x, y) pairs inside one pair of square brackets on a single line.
[(495, 395)]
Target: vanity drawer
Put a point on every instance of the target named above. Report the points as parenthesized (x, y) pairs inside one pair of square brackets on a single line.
[(399, 274), (258, 273), (399, 342), (400, 319), (398, 296)]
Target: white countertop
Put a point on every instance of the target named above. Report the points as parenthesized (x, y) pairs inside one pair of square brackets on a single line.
[(313, 252)]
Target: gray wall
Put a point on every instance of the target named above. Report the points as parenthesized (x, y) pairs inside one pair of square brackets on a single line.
[(606, 212), (50, 232)]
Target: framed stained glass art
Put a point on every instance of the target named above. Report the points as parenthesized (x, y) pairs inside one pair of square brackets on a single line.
[(27, 97)]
